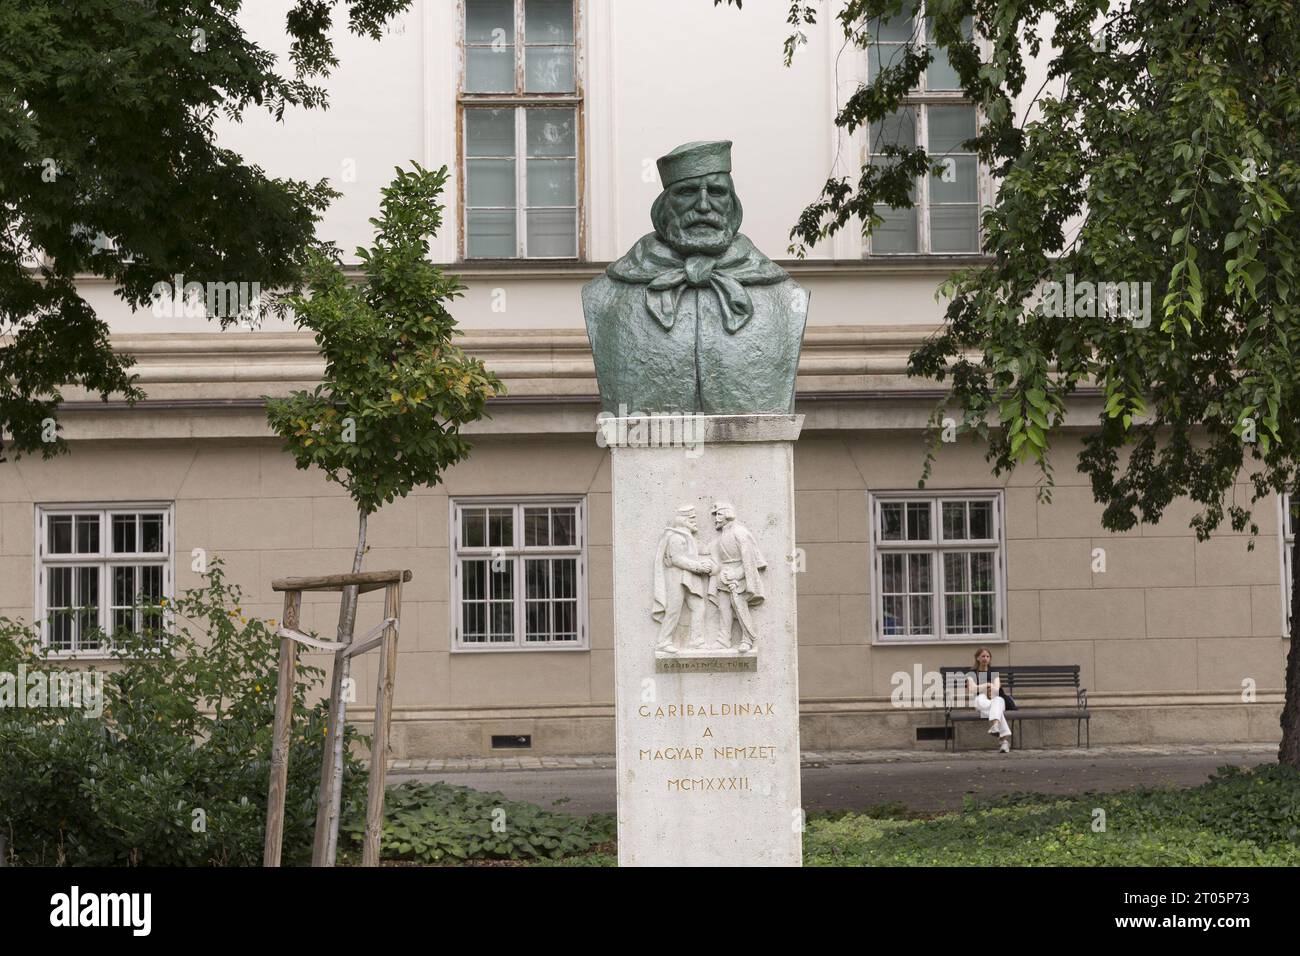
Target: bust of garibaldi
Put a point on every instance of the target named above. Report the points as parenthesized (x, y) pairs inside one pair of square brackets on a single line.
[(694, 319)]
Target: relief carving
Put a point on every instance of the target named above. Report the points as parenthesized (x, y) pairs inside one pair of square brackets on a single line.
[(728, 578)]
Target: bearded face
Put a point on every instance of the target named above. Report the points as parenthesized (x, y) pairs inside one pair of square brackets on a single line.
[(698, 216)]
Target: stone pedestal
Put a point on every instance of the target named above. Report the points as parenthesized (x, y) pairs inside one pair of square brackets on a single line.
[(707, 736)]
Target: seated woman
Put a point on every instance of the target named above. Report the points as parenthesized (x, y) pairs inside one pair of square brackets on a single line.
[(985, 690)]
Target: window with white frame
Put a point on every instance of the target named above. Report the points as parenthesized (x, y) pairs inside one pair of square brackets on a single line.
[(937, 564), (938, 117), (521, 110), (519, 573), (101, 572)]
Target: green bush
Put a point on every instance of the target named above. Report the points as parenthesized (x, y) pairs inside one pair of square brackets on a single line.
[(434, 822), (175, 771)]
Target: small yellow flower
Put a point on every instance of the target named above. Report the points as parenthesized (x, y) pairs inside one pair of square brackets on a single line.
[(257, 688)]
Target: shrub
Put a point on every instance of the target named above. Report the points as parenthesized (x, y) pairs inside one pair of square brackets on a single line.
[(432, 822), (175, 770)]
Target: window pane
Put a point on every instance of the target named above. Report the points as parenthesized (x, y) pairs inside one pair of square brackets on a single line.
[(491, 233), (151, 584), (473, 528), (473, 623), (502, 580), (87, 534), (881, 56), (151, 534), (87, 594), (537, 527), (501, 523), (490, 132), (548, 21), (920, 615), (896, 129), (502, 617), (551, 132), (548, 69), (88, 604), (897, 233), (954, 573), (891, 521), (492, 182), (62, 625), (918, 580), (981, 571), (58, 591), (955, 181), (551, 182), (954, 611), (123, 586), (552, 233), (564, 527), (124, 534), (59, 529), (564, 578), (954, 228), (941, 74), (954, 520), (918, 521), (489, 70), (967, 28), (982, 614), (489, 21), (899, 28), (473, 576), (537, 579), (892, 573), (565, 614), (949, 126), (894, 616), (981, 520), (537, 622)]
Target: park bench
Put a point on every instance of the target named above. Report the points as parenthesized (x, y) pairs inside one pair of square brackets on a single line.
[(957, 707)]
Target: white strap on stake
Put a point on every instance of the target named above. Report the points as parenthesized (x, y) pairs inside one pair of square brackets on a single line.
[(369, 640)]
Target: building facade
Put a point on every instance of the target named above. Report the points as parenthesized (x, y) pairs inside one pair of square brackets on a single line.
[(550, 115)]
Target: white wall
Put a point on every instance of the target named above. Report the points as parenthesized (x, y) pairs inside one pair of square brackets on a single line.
[(656, 73)]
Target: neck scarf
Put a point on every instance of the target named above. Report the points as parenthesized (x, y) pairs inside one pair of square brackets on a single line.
[(667, 274)]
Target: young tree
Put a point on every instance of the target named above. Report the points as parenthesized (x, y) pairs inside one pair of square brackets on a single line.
[(396, 390), (109, 166), (1163, 149)]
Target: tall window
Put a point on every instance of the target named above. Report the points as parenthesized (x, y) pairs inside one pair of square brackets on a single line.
[(938, 566), (101, 572), (519, 570), (936, 116), (521, 113)]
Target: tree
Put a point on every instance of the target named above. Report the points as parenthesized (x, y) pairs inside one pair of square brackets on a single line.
[(1163, 149), (395, 393), (109, 165)]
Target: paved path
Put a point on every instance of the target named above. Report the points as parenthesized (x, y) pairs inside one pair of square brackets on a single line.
[(846, 780)]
